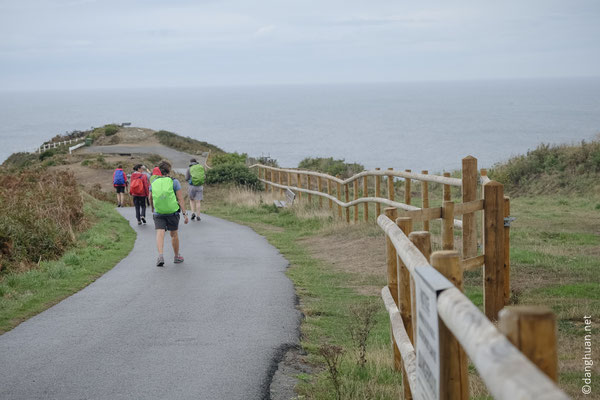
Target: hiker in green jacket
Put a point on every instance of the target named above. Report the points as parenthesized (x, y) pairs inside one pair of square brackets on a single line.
[(167, 203), (195, 177)]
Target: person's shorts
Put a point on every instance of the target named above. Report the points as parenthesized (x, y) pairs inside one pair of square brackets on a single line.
[(120, 189), (169, 222), (195, 192)]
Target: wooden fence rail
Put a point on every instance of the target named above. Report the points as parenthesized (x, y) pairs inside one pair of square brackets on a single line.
[(433, 358)]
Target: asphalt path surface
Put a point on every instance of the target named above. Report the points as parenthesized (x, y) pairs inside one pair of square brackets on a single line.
[(209, 328), (179, 159)]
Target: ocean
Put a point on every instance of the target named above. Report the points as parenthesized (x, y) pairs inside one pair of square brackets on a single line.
[(420, 125)]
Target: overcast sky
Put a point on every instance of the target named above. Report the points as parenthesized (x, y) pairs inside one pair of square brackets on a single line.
[(150, 43)]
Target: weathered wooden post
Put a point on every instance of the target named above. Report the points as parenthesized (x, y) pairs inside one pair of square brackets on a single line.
[(365, 194), (425, 198), (299, 184), (392, 279), (329, 193), (308, 186), (493, 271), (469, 193), (390, 182), (339, 197), (356, 195), (377, 193), (454, 380), (320, 189), (506, 250), (289, 179), (347, 197), (422, 241), (280, 175), (447, 189), (532, 330), (448, 225), (407, 189), (404, 298)]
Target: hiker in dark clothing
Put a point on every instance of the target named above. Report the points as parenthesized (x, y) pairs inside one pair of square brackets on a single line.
[(120, 183), (138, 188)]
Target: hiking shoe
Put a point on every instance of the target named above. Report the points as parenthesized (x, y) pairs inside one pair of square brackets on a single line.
[(160, 261), (198, 218), (139, 222), (178, 259), (193, 216), (144, 220)]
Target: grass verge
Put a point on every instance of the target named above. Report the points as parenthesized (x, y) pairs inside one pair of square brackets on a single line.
[(98, 249)]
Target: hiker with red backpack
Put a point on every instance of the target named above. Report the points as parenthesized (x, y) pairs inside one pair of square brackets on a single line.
[(120, 183), (195, 177), (138, 188)]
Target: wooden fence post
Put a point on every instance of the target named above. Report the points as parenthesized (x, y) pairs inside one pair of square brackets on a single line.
[(390, 182), (405, 298), (453, 359), (407, 189), (377, 193), (425, 198), (356, 195), (506, 251), (347, 197), (532, 330), (448, 225), (469, 193), (365, 194), (493, 270), (280, 175), (309, 188), (447, 189), (299, 184), (320, 188), (339, 197), (392, 278), (329, 193), (422, 241)]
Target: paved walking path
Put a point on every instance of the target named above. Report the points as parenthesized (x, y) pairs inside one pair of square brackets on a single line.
[(205, 329), (179, 159)]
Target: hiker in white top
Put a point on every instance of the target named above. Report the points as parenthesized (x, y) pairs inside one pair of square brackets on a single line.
[(195, 177)]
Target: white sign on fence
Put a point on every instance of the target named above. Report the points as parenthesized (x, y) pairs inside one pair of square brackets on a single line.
[(428, 283)]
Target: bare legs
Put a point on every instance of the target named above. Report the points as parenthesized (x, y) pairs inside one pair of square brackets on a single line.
[(195, 206), (160, 241)]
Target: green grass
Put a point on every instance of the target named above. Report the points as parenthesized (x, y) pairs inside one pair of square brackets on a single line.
[(98, 249)]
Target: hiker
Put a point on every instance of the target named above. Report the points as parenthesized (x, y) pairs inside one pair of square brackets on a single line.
[(144, 171), (167, 203), (120, 183), (138, 188), (195, 177)]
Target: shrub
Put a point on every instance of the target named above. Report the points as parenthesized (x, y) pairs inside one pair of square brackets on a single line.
[(20, 160), (185, 144), (232, 173), (229, 158), (39, 215), (331, 166), (47, 154), (110, 130)]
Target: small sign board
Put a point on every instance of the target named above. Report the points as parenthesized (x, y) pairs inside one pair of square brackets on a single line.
[(428, 283)]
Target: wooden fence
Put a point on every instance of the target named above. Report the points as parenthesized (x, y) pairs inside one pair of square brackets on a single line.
[(434, 325)]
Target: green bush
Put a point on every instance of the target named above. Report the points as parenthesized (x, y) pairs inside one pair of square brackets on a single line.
[(47, 154), (331, 166), (185, 144), (20, 160), (110, 130), (232, 173), (229, 158)]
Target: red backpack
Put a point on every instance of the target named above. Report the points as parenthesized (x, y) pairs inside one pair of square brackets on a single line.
[(137, 185)]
